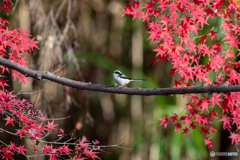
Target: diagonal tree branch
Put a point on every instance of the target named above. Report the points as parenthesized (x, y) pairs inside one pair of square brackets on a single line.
[(112, 89)]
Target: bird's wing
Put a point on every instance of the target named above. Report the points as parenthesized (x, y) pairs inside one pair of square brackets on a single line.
[(124, 77), (139, 79)]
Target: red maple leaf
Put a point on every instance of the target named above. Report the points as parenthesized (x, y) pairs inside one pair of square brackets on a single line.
[(209, 13), (12, 146), (174, 117), (3, 83), (234, 137), (77, 157), (235, 120), (41, 128), (128, 10), (7, 6), (212, 34), (152, 62), (235, 28), (165, 121), (226, 120), (177, 126), (6, 154), (145, 17), (51, 125), (212, 129), (185, 130), (233, 42), (47, 148), (9, 120), (198, 119), (64, 149), (136, 14), (162, 58), (216, 99), (24, 33), (204, 130), (172, 71), (229, 54), (192, 46), (90, 153), (163, 5), (186, 120), (202, 38), (21, 149), (208, 142), (226, 25), (202, 20), (21, 132)]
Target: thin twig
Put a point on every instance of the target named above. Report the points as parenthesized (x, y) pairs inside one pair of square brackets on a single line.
[(62, 143)]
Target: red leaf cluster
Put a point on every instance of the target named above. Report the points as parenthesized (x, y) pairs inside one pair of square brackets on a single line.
[(175, 27), (20, 113)]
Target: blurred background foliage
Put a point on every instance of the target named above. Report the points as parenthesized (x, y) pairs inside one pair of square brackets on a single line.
[(86, 40)]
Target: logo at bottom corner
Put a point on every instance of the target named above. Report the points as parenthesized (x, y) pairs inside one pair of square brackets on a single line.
[(212, 153)]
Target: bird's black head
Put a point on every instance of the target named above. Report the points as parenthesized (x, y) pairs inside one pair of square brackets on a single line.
[(117, 72)]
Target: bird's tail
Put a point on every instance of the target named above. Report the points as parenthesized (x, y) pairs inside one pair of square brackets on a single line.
[(138, 79)]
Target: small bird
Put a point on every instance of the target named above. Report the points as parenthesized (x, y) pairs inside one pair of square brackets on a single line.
[(122, 79)]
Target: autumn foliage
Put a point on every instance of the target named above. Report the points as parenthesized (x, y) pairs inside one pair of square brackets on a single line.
[(30, 122), (175, 27)]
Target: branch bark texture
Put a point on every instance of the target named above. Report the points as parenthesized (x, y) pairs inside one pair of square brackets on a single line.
[(112, 89)]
